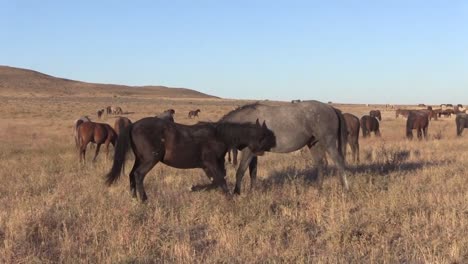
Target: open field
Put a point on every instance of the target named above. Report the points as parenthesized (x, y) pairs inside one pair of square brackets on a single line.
[(407, 203)]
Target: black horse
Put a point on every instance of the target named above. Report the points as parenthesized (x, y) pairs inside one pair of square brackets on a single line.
[(462, 122), (203, 145), (369, 124)]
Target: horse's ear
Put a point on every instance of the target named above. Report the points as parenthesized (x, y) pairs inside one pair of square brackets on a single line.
[(257, 123), (264, 125)]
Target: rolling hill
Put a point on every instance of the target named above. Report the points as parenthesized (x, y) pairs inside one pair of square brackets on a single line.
[(24, 82)]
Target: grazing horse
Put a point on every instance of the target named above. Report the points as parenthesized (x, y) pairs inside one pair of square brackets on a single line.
[(376, 114), (401, 112), (417, 120), (117, 110), (462, 122), (121, 123), (108, 110), (194, 113), (202, 145), (168, 115), (98, 133), (352, 124), (447, 112), (99, 113), (77, 123), (369, 124), (309, 123)]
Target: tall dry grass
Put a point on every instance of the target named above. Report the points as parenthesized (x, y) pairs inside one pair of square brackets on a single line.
[(408, 199)]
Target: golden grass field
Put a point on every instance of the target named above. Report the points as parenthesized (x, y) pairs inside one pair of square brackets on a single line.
[(408, 201)]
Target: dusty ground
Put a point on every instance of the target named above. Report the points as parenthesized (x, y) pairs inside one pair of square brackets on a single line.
[(408, 200)]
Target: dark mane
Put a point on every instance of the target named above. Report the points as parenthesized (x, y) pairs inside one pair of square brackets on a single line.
[(252, 106)]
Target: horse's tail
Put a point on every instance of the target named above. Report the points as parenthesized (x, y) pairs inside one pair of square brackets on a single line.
[(342, 134), (120, 154)]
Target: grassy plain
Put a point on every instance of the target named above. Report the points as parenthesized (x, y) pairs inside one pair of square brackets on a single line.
[(408, 200)]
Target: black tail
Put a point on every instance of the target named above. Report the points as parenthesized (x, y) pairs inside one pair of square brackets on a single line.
[(121, 149), (459, 121), (342, 134)]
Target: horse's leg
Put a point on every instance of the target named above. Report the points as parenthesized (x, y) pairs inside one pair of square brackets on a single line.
[(318, 157), (97, 151), (246, 158), (357, 151), (132, 178), (234, 156), (336, 157), (139, 174), (229, 156), (253, 172), (83, 152)]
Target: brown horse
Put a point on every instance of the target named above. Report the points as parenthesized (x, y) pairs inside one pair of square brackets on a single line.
[(352, 125), (202, 145), (77, 123), (194, 113), (98, 133), (402, 112), (417, 120), (121, 123), (376, 114), (462, 122), (369, 124)]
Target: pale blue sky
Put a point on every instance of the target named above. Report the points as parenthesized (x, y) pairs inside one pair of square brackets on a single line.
[(341, 51)]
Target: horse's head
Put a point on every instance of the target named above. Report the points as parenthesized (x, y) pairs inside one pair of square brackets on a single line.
[(264, 139)]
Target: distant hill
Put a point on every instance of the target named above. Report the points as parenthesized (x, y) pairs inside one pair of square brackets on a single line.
[(24, 82)]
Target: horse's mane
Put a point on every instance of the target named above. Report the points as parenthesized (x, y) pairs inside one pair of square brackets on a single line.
[(240, 108)]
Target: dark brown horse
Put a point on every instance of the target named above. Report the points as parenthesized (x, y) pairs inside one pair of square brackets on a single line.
[(352, 125), (369, 124), (194, 113), (376, 114), (446, 112), (462, 122), (98, 133), (121, 123), (417, 120), (99, 113), (202, 145)]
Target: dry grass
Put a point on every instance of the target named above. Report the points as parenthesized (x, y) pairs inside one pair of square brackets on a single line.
[(408, 200)]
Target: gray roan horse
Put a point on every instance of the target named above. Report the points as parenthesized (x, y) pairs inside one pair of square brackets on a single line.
[(316, 125)]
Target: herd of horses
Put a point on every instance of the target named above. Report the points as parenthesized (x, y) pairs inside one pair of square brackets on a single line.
[(251, 129)]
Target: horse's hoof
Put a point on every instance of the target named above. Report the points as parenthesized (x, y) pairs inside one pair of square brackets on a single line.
[(197, 188)]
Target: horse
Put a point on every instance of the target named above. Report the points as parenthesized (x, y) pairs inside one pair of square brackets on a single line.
[(314, 124), (447, 112), (353, 125), (121, 123), (202, 145), (376, 114), (99, 113), (369, 124), (108, 110), (295, 101), (116, 110), (76, 124), (167, 114), (417, 120), (462, 122), (98, 133), (401, 112), (193, 113)]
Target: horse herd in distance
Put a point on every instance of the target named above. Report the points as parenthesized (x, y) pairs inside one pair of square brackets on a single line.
[(252, 129)]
